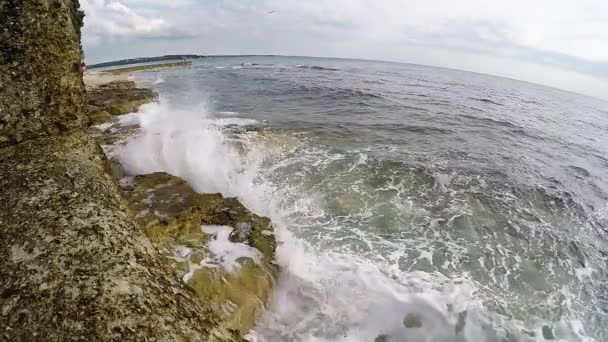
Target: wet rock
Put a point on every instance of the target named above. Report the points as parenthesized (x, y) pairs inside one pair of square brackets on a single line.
[(412, 320), (40, 82), (547, 333), (172, 214), (116, 98), (381, 338), (74, 265), (462, 321), (99, 117)]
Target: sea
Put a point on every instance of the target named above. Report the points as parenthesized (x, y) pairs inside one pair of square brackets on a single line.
[(410, 203)]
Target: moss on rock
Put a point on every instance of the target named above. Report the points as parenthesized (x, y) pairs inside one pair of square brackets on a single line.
[(172, 214), (116, 98)]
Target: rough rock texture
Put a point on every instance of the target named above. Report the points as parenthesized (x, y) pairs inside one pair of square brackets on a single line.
[(116, 98), (172, 214), (40, 83), (72, 262)]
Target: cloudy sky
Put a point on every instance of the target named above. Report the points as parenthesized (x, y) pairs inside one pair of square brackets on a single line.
[(561, 43)]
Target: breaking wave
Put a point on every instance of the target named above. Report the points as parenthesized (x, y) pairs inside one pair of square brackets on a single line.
[(349, 270)]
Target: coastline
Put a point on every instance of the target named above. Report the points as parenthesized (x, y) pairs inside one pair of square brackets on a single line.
[(171, 214)]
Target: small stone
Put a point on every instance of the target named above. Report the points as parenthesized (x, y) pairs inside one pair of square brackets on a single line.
[(412, 321), (381, 338), (462, 321), (547, 333)]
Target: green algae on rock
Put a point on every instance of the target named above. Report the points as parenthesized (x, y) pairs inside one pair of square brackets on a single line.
[(116, 98), (172, 214)]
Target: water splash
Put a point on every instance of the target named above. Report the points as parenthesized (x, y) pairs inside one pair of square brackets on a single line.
[(350, 271)]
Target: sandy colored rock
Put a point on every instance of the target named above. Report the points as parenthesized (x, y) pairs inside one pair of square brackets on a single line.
[(40, 82), (73, 263), (172, 214)]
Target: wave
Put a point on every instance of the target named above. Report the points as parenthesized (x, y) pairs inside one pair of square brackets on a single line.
[(316, 67), (332, 93), (486, 101), (370, 289)]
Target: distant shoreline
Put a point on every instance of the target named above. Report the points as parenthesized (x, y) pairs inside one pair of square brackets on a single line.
[(127, 70)]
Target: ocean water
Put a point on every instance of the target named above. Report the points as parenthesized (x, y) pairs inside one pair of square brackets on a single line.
[(411, 203)]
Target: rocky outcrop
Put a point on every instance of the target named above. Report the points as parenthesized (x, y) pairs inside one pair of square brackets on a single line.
[(172, 214), (72, 261), (40, 82), (74, 265), (116, 98)]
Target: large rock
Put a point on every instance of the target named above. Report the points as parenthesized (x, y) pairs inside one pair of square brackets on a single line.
[(73, 264), (172, 214), (40, 82), (116, 98)]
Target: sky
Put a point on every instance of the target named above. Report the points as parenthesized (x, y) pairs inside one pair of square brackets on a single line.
[(559, 43)]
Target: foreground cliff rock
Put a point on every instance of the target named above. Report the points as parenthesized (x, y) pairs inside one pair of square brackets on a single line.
[(40, 85), (73, 262), (74, 265)]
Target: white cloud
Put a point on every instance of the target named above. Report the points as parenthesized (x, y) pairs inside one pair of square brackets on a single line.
[(562, 34), (112, 18)]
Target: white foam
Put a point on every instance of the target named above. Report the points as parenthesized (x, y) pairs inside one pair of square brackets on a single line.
[(225, 252), (159, 80), (104, 126)]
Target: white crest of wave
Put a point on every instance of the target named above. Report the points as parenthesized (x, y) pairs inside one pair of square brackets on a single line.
[(321, 295), (190, 145)]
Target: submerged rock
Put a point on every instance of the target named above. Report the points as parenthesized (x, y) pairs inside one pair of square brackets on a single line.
[(412, 321), (172, 215), (116, 98)]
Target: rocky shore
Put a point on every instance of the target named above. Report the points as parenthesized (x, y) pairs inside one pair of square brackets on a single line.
[(82, 258), (116, 98), (183, 225)]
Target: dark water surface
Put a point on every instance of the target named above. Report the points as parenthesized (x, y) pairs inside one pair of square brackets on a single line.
[(414, 203)]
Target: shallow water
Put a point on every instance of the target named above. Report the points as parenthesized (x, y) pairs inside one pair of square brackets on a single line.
[(412, 203)]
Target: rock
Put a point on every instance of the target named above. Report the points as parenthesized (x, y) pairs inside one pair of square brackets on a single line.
[(172, 214), (74, 263), (41, 85), (412, 321), (547, 333), (118, 98), (462, 322), (99, 117), (381, 338)]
